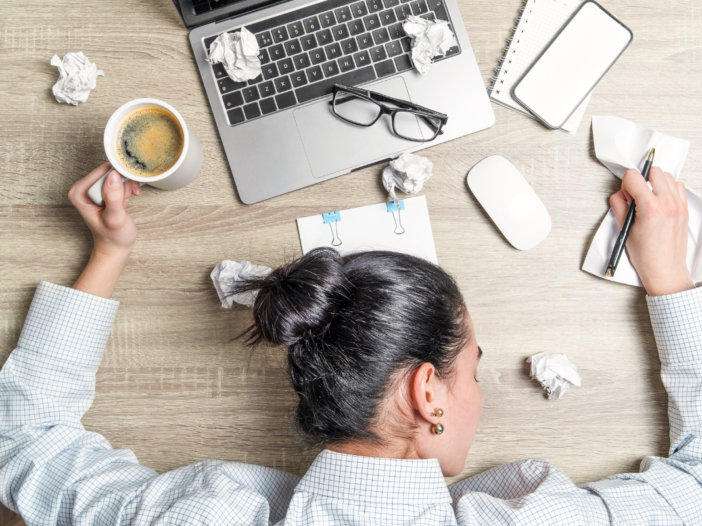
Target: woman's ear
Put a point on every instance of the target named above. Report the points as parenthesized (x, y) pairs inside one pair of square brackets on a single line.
[(424, 393)]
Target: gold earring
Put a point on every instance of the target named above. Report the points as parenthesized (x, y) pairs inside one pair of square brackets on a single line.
[(438, 428)]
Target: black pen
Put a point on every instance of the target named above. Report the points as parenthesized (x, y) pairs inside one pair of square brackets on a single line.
[(624, 233)]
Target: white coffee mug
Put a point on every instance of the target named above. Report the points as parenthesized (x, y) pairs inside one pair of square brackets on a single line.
[(182, 173)]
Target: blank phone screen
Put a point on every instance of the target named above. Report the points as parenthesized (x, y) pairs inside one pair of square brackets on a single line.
[(572, 65)]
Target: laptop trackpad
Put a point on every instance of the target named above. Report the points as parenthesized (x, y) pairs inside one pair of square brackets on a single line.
[(333, 145)]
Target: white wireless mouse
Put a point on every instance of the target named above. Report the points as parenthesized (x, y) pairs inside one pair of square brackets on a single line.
[(510, 202)]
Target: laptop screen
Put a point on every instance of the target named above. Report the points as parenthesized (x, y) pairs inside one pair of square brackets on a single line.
[(200, 12)]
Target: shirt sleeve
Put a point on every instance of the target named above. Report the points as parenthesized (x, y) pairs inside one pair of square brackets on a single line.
[(53, 471)]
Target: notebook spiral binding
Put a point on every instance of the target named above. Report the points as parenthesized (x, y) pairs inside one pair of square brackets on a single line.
[(496, 77)]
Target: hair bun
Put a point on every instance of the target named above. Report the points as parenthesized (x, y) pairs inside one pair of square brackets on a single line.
[(300, 300)]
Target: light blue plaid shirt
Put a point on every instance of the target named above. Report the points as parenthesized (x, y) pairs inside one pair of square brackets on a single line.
[(52, 471)]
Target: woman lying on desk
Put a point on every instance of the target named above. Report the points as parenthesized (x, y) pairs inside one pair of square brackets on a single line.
[(384, 358)]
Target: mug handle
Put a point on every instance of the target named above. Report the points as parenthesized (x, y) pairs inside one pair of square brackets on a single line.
[(95, 191)]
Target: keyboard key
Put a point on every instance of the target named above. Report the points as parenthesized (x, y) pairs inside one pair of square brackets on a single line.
[(349, 46), (396, 31), (356, 27), (429, 16), (255, 81), (330, 69), (250, 94), (298, 79), (439, 9), (387, 17), (365, 41), (391, 3), (346, 64), (403, 63), (268, 106), (324, 37), (374, 5), (320, 89), (280, 34), (269, 71), (219, 71), (285, 66), (235, 116), (452, 51), (263, 57), (393, 48), (285, 100), (378, 54), (343, 14), (264, 39), (226, 85), (419, 7), (327, 19), (282, 84), (403, 11), (292, 47), (232, 100), (383, 69), (295, 29), (202, 8), (317, 56), (314, 74), (251, 111), (371, 22), (406, 44), (301, 61), (381, 36), (266, 89), (308, 42), (359, 9), (340, 32), (276, 52), (311, 24), (362, 58), (333, 51)]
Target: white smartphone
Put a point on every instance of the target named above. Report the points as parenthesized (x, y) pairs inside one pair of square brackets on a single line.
[(573, 63)]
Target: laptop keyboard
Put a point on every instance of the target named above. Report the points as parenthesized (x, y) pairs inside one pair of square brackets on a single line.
[(203, 6), (304, 52)]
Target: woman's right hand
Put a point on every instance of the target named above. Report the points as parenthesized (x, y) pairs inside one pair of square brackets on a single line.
[(657, 242)]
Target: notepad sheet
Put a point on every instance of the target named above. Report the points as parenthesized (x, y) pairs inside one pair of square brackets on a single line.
[(373, 227), (539, 23)]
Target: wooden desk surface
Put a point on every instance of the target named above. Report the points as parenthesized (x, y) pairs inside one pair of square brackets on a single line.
[(173, 386)]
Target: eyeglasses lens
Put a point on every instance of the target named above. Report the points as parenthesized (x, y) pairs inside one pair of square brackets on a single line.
[(355, 109), (415, 127)]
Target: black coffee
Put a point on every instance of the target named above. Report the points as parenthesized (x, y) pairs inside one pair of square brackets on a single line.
[(150, 141)]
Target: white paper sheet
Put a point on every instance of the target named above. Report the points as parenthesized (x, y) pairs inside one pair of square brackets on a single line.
[(430, 39), (373, 228), (407, 173), (619, 145), (77, 76), (555, 372)]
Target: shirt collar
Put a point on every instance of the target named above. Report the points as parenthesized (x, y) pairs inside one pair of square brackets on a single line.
[(371, 479)]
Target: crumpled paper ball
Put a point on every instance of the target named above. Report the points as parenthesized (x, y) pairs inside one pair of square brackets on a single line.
[(429, 39), (228, 272), (77, 76), (238, 52), (555, 373), (408, 172)]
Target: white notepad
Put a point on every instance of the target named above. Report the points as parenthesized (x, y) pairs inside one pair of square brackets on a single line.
[(374, 227), (539, 23)]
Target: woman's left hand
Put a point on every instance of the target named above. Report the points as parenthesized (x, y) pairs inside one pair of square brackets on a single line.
[(114, 231)]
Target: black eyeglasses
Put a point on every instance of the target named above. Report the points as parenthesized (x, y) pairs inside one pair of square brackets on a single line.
[(364, 108)]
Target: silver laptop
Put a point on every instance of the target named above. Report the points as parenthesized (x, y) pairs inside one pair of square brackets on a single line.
[(279, 131)]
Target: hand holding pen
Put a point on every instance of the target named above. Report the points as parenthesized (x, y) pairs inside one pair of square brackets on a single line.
[(657, 241)]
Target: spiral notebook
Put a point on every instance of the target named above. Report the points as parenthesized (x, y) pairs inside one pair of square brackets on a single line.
[(539, 22)]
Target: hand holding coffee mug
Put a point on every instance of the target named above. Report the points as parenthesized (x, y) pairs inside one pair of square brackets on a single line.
[(147, 141)]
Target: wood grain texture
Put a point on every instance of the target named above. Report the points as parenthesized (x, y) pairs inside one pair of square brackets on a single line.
[(176, 389)]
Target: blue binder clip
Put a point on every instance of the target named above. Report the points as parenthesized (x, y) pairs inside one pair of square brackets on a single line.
[(333, 217), (395, 208)]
